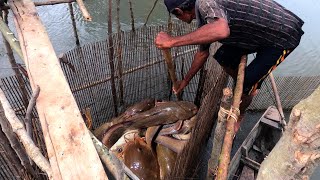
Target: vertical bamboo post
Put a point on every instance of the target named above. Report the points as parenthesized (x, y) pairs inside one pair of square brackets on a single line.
[(219, 132), (69, 146), (74, 26), (233, 115), (111, 57), (121, 101), (132, 17)]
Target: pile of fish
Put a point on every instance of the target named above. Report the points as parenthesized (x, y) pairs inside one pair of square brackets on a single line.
[(148, 136)]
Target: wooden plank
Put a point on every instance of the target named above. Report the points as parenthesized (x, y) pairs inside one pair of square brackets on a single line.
[(70, 149)]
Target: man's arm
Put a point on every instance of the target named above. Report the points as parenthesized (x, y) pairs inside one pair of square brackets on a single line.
[(199, 59), (206, 34)]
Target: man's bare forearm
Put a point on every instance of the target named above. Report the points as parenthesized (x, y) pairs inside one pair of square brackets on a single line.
[(206, 34), (199, 59)]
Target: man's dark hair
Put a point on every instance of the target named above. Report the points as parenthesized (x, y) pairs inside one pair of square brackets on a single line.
[(186, 5)]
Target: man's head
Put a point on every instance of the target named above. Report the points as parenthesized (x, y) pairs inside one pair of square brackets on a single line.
[(182, 9)]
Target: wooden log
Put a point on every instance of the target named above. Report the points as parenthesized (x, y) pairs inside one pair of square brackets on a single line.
[(70, 148), (219, 132), (296, 155), (222, 173)]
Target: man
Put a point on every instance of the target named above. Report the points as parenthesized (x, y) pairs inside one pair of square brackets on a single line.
[(243, 27)]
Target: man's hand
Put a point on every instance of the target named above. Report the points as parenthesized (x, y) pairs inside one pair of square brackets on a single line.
[(163, 41), (181, 85)]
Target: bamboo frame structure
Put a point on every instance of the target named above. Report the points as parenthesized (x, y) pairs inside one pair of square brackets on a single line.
[(69, 146)]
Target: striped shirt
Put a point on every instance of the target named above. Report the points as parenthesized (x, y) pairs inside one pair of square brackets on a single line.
[(253, 23)]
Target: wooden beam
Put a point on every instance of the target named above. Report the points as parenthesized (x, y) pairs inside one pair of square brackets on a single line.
[(71, 152)]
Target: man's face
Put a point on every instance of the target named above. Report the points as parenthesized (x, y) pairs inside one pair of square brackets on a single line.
[(185, 16)]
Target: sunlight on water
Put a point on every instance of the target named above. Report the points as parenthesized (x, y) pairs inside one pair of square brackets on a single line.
[(304, 61)]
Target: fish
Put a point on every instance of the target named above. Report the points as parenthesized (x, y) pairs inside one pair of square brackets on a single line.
[(141, 160), (162, 113), (166, 160)]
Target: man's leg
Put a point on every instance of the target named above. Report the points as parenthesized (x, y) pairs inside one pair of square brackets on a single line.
[(266, 61)]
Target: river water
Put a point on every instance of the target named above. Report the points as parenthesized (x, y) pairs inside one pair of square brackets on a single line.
[(304, 61)]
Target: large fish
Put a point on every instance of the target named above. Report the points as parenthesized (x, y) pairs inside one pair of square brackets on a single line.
[(162, 113)]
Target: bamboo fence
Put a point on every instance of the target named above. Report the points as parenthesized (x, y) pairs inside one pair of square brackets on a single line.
[(140, 72)]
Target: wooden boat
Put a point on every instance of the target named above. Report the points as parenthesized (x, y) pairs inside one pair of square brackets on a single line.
[(263, 137)]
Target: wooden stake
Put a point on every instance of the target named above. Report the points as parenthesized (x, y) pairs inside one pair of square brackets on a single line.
[(74, 26), (222, 173)]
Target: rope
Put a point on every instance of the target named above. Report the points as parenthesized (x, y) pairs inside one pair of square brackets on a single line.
[(223, 112)]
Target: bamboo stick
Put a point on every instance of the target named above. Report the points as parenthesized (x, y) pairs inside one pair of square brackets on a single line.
[(28, 119), (84, 10), (154, 5), (119, 48), (111, 57), (14, 63), (32, 150), (74, 26), (171, 69), (219, 132), (132, 17), (222, 173), (277, 97)]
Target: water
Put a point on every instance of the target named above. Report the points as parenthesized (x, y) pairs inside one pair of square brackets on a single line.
[(304, 61)]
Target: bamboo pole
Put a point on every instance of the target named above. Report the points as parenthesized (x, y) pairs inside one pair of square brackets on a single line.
[(233, 115), (70, 148), (111, 62), (120, 71), (154, 5), (74, 26), (44, 3), (13, 61), (171, 69), (84, 10), (32, 150), (11, 39), (219, 132), (132, 17), (277, 97)]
